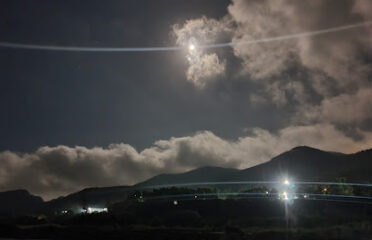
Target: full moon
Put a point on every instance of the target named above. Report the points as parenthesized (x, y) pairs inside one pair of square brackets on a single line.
[(191, 47)]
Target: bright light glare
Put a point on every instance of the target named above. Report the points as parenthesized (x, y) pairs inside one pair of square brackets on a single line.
[(286, 182), (95, 209), (285, 195), (191, 47)]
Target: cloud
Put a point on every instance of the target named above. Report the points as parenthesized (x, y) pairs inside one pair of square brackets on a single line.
[(322, 79), (336, 62), (55, 171), (257, 20), (201, 31), (335, 55), (203, 67), (343, 109)]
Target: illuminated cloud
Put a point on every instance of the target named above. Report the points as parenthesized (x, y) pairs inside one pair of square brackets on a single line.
[(325, 77), (203, 67), (334, 63), (201, 31), (335, 57), (256, 20)]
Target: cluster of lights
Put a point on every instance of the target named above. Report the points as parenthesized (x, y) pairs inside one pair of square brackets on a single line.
[(94, 210), (287, 193)]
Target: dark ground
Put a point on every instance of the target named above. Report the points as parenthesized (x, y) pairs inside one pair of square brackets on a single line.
[(203, 219)]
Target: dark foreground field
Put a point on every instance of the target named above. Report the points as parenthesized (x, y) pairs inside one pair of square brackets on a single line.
[(144, 232), (203, 219)]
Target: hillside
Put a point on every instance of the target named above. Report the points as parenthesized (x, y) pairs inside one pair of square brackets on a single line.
[(204, 174), (98, 197), (17, 202), (300, 163)]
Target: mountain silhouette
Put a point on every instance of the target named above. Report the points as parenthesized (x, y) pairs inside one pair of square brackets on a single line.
[(300, 164), (16, 202)]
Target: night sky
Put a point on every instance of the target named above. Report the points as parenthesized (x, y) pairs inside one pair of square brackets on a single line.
[(78, 119)]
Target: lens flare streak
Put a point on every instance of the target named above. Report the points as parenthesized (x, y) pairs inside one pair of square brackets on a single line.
[(178, 48)]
